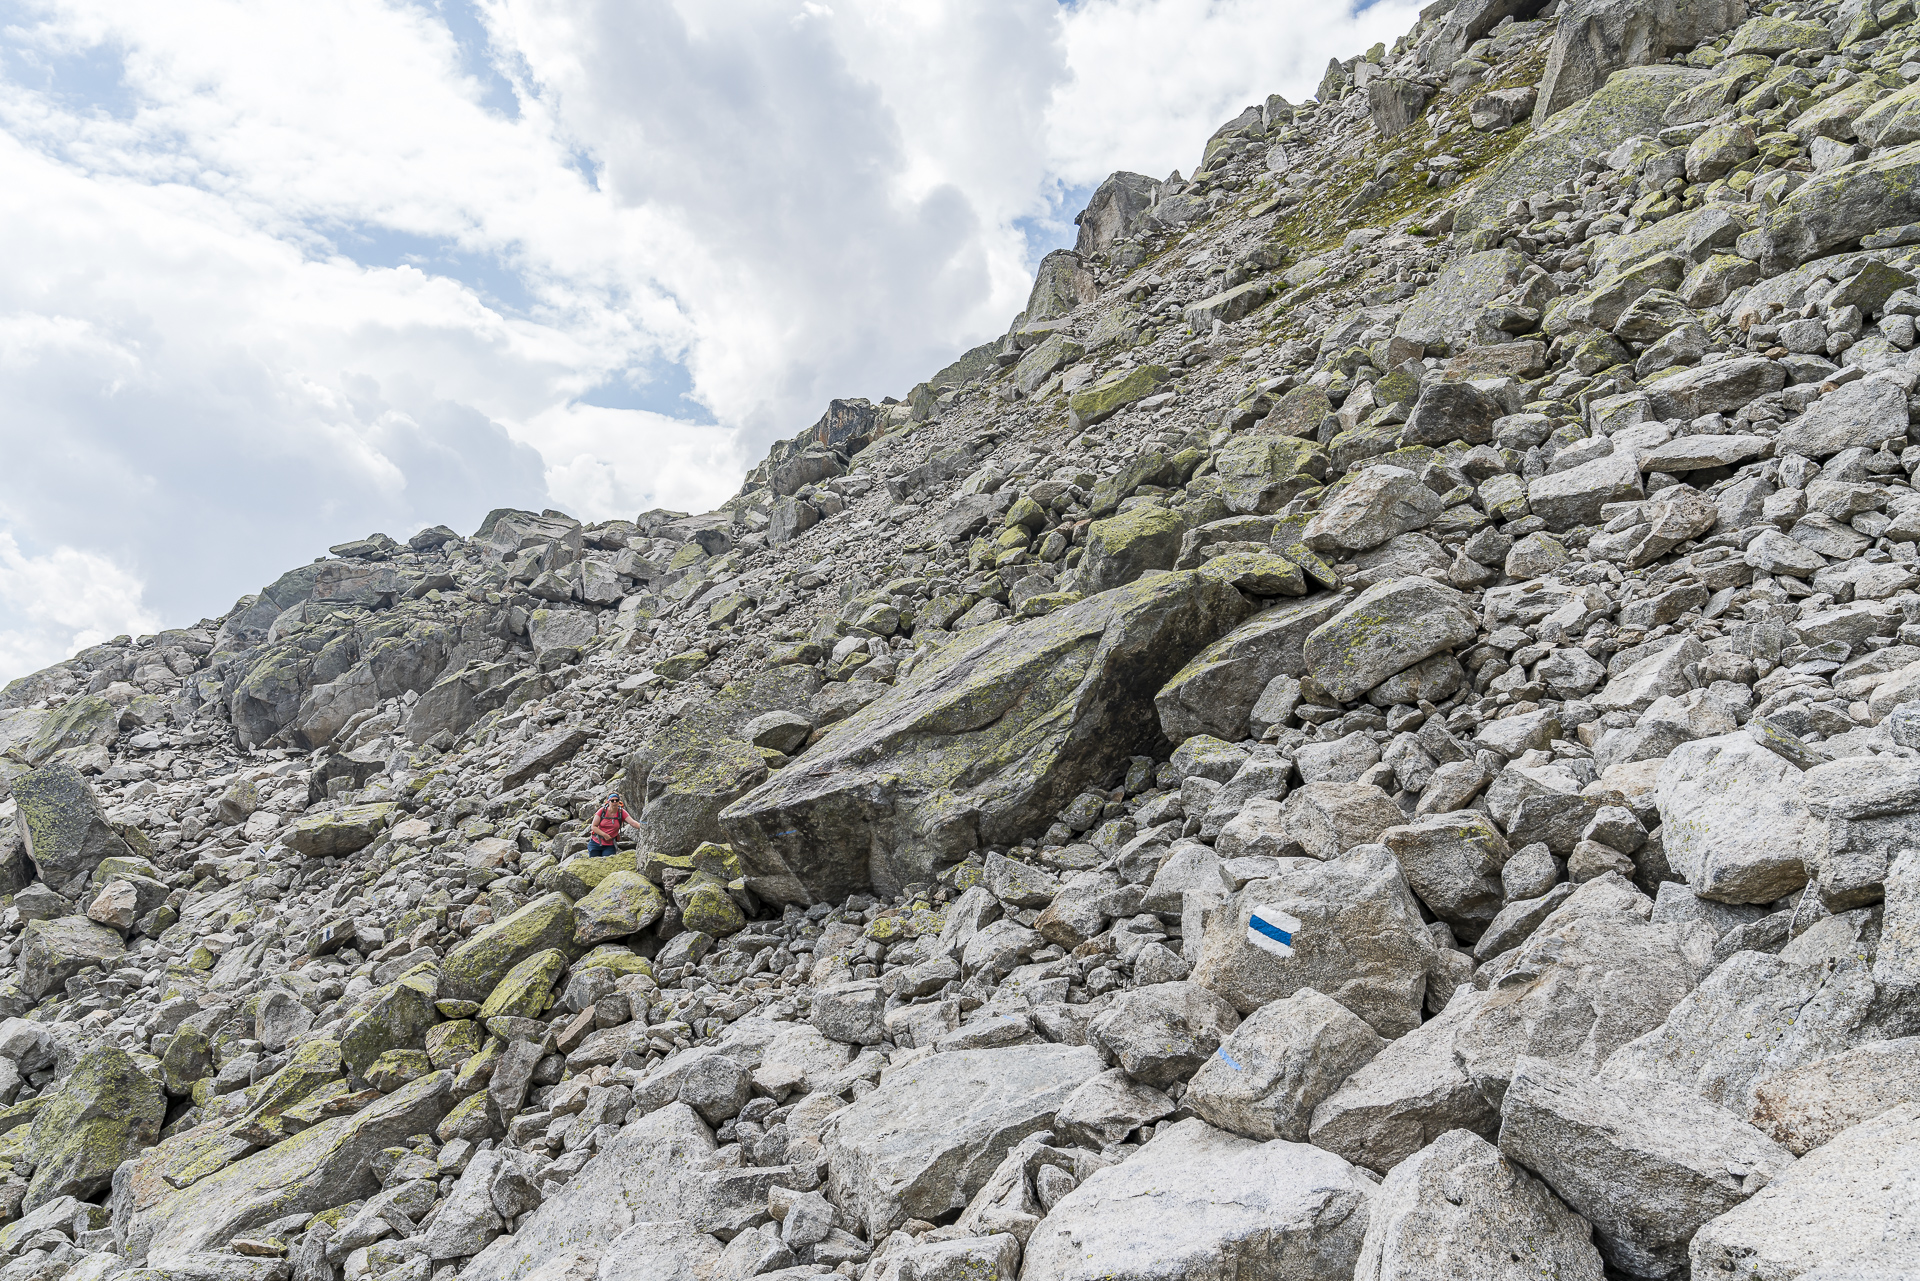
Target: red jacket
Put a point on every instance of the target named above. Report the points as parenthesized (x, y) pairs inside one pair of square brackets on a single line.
[(607, 822)]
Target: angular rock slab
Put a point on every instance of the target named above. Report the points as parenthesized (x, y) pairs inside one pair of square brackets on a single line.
[(1845, 1210), (1811, 1105), (1755, 1017), (1216, 692), (652, 1173), (106, 1111), (1361, 941), (1737, 825), (1407, 1095), (1591, 978), (1386, 629), (1279, 1064), (315, 1170), (1646, 1165), (985, 748), (924, 1142), (1459, 1211), (1198, 1202)]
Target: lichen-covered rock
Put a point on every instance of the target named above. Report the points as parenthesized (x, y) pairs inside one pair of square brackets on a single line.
[(1386, 629), (1123, 547), (1840, 206), (1108, 397), (685, 790), (471, 970), (1595, 38), (989, 744), (1216, 692), (524, 990), (392, 1018), (53, 951), (319, 1168), (108, 1109), (60, 822), (623, 903)]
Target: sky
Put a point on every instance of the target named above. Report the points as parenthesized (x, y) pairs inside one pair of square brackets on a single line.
[(279, 276)]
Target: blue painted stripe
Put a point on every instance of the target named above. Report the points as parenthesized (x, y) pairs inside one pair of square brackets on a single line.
[(1228, 1059), (1269, 929)]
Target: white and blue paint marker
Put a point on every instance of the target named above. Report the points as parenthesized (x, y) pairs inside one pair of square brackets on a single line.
[(1271, 930)]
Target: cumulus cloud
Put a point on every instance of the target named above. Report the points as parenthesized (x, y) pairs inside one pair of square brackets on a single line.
[(282, 275), (62, 601)]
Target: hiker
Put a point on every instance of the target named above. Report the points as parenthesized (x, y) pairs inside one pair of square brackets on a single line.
[(604, 831)]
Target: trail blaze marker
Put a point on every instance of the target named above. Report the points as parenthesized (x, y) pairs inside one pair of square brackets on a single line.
[(1271, 930)]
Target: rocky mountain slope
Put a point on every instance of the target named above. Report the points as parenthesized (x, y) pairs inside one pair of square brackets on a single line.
[(1372, 734)]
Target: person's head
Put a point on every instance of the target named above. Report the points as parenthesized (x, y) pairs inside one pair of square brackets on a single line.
[(613, 798)]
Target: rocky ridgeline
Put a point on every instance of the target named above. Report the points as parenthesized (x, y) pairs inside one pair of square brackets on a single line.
[(1471, 517)]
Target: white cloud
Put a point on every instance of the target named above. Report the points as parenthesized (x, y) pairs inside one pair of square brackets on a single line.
[(60, 602), (282, 275)]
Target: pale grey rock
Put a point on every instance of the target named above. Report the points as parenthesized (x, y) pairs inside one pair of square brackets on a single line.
[(1737, 826), (1458, 1210), (1591, 978), (1162, 1033), (1279, 1065), (1386, 629), (922, 1143), (1807, 1106), (1327, 819), (1865, 412), (1575, 496), (1407, 1095), (1753, 1018), (1646, 1164), (1108, 1108), (1361, 942), (1382, 503), (673, 1250), (1198, 1202), (1453, 863), (1843, 1210), (650, 1174)]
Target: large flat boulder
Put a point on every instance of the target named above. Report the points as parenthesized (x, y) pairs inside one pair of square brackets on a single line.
[(106, 1111), (1755, 1017), (1199, 1202), (1646, 1165), (1843, 1210), (923, 1143), (1839, 206), (1406, 1096), (652, 1173), (1593, 976), (1596, 38), (1630, 102), (315, 1170), (984, 748)]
